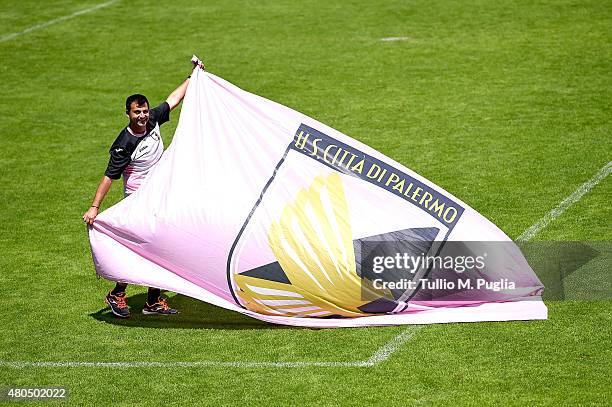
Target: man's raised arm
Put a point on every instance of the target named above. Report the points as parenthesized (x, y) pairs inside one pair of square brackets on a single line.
[(177, 94)]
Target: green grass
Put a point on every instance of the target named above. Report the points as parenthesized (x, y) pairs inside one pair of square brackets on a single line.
[(504, 104)]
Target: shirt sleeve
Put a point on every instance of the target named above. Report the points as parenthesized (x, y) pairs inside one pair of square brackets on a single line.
[(119, 159), (160, 114)]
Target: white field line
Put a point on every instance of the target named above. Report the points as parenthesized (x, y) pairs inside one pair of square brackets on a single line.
[(204, 363), (391, 39), (381, 354), (11, 36), (566, 203), (384, 352)]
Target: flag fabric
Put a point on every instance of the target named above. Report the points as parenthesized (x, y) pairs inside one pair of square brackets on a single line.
[(259, 209)]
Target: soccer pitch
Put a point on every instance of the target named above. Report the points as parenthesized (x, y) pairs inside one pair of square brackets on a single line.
[(506, 105)]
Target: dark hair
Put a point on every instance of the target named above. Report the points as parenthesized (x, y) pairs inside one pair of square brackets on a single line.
[(138, 98)]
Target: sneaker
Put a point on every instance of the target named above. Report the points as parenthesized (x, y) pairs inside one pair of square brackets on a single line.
[(117, 305), (161, 307)]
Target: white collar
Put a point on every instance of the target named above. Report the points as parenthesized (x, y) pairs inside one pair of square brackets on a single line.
[(135, 134)]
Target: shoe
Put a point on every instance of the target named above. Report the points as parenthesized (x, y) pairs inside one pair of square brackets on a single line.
[(117, 305), (161, 307)]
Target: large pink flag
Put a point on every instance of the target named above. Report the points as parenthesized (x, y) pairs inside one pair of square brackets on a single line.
[(259, 209)]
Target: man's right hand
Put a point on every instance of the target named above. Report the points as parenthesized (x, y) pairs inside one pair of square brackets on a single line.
[(90, 215), (92, 212)]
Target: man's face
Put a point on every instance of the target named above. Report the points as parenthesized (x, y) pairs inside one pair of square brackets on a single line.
[(139, 116)]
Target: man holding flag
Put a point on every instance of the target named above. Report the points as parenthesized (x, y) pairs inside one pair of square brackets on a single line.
[(135, 151)]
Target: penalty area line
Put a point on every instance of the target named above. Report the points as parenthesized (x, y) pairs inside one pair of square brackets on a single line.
[(11, 36), (566, 203), (380, 355), (384, 352), (204, 363)]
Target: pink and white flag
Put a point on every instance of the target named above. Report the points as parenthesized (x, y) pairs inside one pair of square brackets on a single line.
[(259, 209)]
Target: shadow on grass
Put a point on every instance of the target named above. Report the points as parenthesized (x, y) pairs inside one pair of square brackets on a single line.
[(194, 314)]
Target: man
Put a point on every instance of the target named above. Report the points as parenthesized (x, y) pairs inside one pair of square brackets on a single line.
[(136, 150)]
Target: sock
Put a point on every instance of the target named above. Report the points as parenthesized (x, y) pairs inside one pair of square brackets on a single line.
[(119, 288), (153, 295)]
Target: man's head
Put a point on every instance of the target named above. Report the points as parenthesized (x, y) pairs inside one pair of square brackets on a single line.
[(137, 109)]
